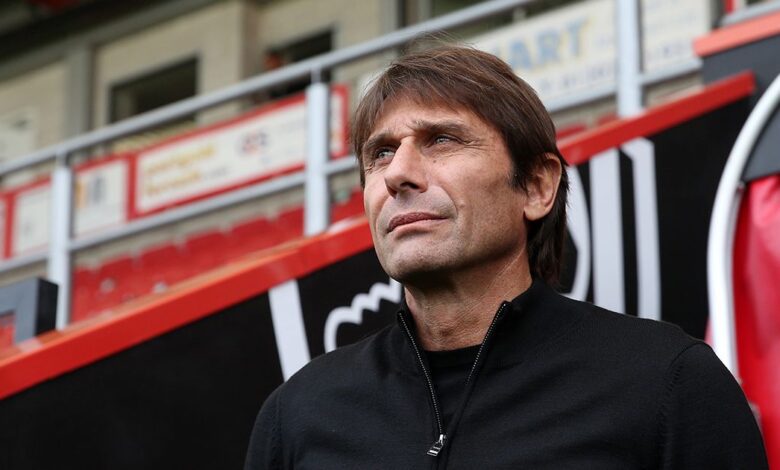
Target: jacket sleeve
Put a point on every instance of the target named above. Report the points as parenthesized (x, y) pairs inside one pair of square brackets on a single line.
[(705, 420), (265, 443)]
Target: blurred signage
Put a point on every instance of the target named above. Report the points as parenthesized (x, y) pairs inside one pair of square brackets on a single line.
[(572, 50), (30, 221), (253, 147), (257, 146), (100, 202), (100, 196)]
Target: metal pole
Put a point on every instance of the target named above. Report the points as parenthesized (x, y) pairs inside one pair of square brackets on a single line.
[(608, 262), (317, 200), (629, 102), (720, 242), (59, 268), (629, 57)]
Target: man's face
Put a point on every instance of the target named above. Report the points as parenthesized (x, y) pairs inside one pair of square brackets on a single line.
[(438, 194)]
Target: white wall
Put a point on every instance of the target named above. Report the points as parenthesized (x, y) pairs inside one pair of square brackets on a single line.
[(213, 34), (41, 92)]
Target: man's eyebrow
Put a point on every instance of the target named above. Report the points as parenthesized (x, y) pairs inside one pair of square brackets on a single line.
[(375, 141), (420, 126), (437, 127)]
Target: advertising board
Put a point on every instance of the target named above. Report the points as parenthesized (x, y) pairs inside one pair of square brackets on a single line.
[(572, 50), (110, 191), (256, 146)]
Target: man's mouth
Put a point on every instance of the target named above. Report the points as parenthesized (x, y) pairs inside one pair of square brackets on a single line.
[(411, 217)]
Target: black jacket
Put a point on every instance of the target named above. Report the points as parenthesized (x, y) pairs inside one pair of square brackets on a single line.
[(559, 384)]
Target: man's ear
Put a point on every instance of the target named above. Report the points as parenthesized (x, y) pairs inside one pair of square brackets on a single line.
[(542, 188)]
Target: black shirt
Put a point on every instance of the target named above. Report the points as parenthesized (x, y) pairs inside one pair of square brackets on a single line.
[(449, 370)]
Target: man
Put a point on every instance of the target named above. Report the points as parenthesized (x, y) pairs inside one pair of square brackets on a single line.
[(487, 366)]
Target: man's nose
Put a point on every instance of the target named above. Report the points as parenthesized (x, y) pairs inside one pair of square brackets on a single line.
[(406, 171)]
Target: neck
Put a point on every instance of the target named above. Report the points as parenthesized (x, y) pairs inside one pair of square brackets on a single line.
[(455, 312)]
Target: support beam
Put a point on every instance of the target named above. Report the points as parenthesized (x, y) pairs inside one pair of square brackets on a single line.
[(607, 228), (629, 52), (59, 268), (317, 198)]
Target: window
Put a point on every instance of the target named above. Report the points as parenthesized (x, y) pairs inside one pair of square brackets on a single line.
[(147, 92), (154, 90), (305, 48)]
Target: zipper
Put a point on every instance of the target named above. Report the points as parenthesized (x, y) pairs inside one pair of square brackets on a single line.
[(488, 334), (438, 445), (471, 379)]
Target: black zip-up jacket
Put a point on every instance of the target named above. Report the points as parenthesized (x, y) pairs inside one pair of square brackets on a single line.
[(557, 384)]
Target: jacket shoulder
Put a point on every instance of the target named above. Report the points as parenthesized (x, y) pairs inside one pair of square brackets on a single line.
[(345, 364), (640, 331)]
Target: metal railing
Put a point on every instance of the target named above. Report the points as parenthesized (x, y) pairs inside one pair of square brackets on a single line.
[(318, 165), (723, 227)]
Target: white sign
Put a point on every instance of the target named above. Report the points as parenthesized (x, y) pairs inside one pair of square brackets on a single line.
[(100, 202), (31, 220), (572, 50), (670, 26), (100, 197), (18, 132), (271, 141)]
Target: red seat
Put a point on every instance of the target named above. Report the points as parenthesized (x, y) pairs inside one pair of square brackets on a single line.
[(206, 251), (349, 208), (119, 280), (6, 330), (163, 266), (85, 289), (290, 223), (253, 235)]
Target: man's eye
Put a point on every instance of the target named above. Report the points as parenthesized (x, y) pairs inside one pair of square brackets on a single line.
[(383, 153), (443, 139)]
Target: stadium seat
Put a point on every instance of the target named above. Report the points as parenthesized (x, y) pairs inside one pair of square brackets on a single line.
[(289, 223), (253, 235), (205, 251), (6, 330), (349, 208), (163, 266), (85, 289), (119, 280)]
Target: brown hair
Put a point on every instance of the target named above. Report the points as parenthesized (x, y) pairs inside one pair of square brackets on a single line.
[(463, 77)]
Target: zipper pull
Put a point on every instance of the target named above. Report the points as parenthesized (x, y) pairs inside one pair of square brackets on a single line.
[(437, 446)]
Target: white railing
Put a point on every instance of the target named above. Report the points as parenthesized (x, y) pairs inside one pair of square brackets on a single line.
[(723, 222)]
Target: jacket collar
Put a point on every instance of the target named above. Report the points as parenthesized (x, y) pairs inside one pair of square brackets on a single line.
[(535, 319), (539, 316)]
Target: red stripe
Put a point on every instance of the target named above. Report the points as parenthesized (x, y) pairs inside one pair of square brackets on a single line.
[(132, 180), (580, 148), (738, 34)]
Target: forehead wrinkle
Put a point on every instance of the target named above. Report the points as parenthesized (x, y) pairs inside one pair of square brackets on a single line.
[(420, 126), (440, 126)]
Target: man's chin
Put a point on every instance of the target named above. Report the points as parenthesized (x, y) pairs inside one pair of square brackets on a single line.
[(417, 272)]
